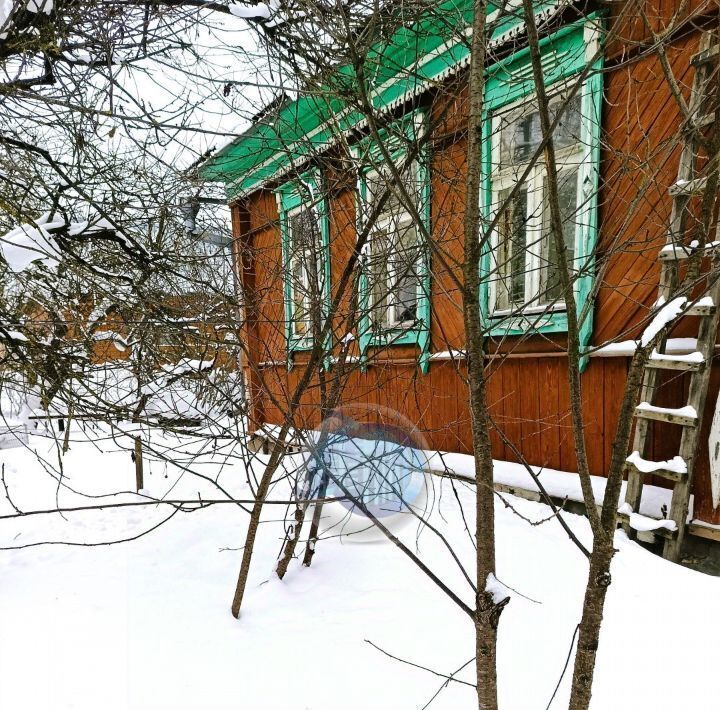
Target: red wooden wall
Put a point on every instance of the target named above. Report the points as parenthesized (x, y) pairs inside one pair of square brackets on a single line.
[(527, 377)]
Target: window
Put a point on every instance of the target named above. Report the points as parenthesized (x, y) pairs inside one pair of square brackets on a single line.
[(520, 289), (305, 276), (524, 257), (395, 282), (305, 242), (395, 259)]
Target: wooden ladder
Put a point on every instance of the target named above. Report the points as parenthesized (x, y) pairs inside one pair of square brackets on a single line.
[(701, 301)]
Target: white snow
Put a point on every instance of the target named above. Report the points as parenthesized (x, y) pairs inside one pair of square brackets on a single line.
[(558, 484), (694, 357), (261, 11), (146, 625), (273, 363), (30, 242), (116, 339), (187, 366), (333, 359), (627, 348), (642, 523), (677, 248), (17, 335), (686, 411), (694, 244), (676, 464), (666, 315), (45, 6), (448, 355), (7, 6), (497, 589), (623, 348), (681, 345)]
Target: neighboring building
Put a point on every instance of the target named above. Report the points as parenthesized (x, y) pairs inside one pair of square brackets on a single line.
[(618, 149), (63, 311)]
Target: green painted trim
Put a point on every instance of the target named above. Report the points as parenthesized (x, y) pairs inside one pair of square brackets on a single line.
[(407, 63), (409, 127), (566, 52), (592, 103), (563, 54), (290, 195)]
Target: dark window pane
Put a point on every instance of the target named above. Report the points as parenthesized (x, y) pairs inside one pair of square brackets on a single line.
[(395, 256), (512, 243), (305, 247), (550, 286)]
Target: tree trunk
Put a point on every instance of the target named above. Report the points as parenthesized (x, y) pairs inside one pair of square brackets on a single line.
[(589, 637), (599, 577), (292, 541), (253, 525), (487, 613), (139, 478), (315, 524)]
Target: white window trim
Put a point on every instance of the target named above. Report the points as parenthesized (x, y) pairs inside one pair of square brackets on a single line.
[(570, 157), (384, 222), (303, 256)]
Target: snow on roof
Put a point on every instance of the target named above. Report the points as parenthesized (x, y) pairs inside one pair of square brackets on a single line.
[(31, 242), (263, 11), (307, 124), (28, 243)]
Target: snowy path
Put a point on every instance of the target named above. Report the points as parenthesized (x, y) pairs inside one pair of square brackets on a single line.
[(146, 624)]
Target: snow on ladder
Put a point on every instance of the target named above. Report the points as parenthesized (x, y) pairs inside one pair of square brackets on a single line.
[(689, 184)]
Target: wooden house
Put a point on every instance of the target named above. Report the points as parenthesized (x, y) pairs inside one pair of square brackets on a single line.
[(622, 138)]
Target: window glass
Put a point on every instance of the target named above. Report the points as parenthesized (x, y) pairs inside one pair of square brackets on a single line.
[(394, 262), (512, 241), (524, 255), (306, 288), (520, 132), (550, 287)]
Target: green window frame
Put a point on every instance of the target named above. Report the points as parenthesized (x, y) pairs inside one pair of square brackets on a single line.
[(510, 84), (392, 330), (305, 238)]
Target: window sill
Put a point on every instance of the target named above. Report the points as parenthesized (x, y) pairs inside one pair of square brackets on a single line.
[(529, 321), (300, 344), (529, 311), (396, 335)]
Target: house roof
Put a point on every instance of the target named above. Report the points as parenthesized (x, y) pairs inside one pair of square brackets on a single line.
[(414, 59)]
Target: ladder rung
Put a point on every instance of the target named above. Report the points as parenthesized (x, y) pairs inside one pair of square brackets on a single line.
[(686, 416), (624, 518), (666, 473), (708, 55), (700, 122), (688, 187), (700, 309), (678, 252), (660, 361), (674, 470)]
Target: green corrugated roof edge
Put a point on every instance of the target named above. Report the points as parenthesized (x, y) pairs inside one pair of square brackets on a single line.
[(399, 68)]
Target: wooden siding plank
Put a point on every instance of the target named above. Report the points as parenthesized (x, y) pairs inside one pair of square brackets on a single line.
[(548, 375), (529, 411)]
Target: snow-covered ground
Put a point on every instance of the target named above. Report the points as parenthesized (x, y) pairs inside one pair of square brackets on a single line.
[(146, 624)]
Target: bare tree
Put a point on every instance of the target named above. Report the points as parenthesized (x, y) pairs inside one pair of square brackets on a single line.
[(94, 179)]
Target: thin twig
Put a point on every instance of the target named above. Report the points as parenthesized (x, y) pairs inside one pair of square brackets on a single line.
[(422, 668)]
